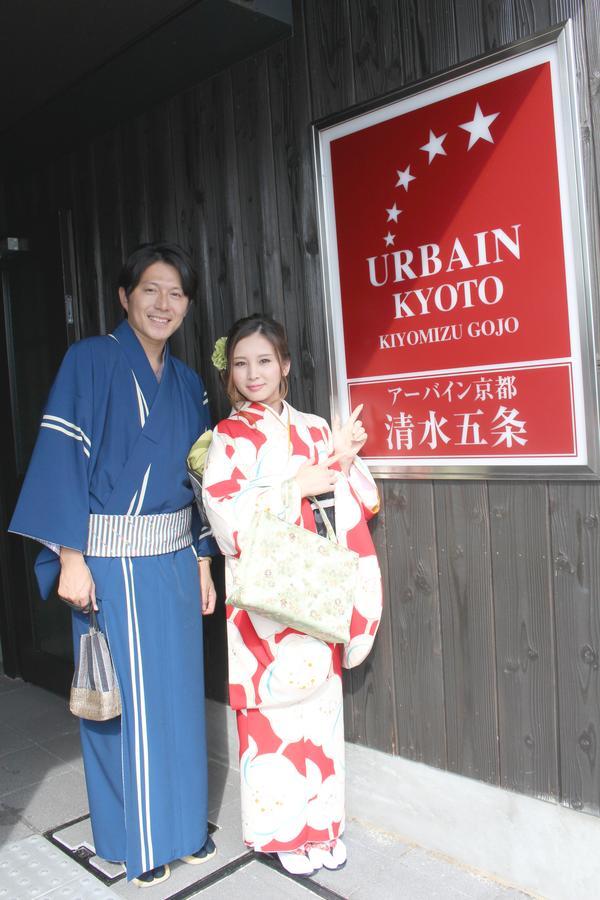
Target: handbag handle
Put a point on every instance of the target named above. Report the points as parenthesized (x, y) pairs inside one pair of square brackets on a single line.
[(93, 620), (328, 526)]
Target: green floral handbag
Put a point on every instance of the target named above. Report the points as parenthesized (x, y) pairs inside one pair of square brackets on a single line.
[(297, 577)]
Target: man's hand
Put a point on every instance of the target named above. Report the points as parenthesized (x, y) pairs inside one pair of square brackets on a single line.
[(349, 438), (207, 587), (76, 584)]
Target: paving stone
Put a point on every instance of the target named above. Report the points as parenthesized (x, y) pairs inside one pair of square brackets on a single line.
[(31, 868), (10, 684), (77, 835), (379, 865), (36, 713), (11, 740), (105, 867), (223, 785), (12, 826), (66, 747), (228, 816), (367, 850), (424, 876), (51, 802), (85, 888), (257, 882), (229, 847), (27, 767)]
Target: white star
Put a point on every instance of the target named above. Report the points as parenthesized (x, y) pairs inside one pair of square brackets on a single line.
[(389, 239), (404, 177), (434, 145), (479, 127), (393, 213)]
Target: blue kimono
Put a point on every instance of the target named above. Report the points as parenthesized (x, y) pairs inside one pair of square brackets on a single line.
[(113, 442)]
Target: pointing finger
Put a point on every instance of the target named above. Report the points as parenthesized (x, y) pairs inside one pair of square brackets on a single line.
[(356, 412)]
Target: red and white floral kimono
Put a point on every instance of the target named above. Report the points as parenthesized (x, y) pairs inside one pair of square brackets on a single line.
[(287, 686)]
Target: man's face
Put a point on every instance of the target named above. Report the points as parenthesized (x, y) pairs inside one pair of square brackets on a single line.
[(157, 305)]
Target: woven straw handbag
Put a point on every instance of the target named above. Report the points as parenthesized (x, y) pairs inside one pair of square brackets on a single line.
[(297, 578), (95, 691)]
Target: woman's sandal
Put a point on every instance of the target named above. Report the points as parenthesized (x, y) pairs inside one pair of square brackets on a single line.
[(331, 858), (296, 863)]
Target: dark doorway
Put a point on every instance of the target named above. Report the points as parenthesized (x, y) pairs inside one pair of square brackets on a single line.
[(36, 635)]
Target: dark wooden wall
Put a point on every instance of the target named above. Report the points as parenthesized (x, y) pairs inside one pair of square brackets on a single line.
[(487, 662)]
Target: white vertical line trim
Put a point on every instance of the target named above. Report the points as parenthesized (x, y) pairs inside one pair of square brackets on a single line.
[(143, 491), (122, 741), (145, 866), (142, 408), (144, 724)]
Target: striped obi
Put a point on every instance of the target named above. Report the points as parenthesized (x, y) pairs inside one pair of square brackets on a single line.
[(139, 535)]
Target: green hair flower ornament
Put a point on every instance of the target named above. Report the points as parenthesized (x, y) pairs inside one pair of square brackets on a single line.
[(219, 357)]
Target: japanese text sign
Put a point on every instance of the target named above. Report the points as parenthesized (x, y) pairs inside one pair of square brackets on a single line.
[(458, 308)]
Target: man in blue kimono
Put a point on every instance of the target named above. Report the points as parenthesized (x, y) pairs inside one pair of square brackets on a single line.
[(108, 495)]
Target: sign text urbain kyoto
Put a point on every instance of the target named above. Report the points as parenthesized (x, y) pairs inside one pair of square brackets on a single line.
[(458, 325)]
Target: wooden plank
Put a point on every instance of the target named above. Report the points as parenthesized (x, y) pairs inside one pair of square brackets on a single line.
[(159, 191), (329, 56), (258, 193), (428, 37), (108, 205), (183, 148), (370, 692), (217, 225), (302, 285), (158, 171), (575, 521), (135, 225), (525, 648), (415, 621), (463, 547), (85, 225), (592, 34), (375, 36), (586, 41), (531, 17), (470, 28)]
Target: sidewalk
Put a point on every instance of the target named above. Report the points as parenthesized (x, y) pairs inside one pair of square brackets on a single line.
[(46, 848)]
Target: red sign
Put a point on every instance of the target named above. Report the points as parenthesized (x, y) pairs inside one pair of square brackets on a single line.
[(460, 332), (471, 414)]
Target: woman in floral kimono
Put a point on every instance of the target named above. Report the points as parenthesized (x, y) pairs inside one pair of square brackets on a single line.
[(286, 686)]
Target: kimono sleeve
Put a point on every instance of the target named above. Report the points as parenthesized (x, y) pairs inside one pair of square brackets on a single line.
[(360, 479), (232, 494), (53, 506)]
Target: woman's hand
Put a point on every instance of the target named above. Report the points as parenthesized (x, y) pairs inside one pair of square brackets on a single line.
[(207, 587), (317, 479), (349, 438), (76, 584)]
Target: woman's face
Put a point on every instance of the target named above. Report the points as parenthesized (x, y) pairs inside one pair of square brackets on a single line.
[(256, 371), (157, 305)]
